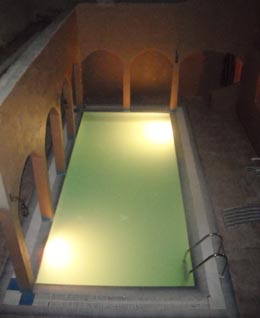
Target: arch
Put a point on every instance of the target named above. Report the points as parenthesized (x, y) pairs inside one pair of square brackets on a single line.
[(103, 78), (69, 107), (151, 50), (257, 93), (151, 78), (54, 139)]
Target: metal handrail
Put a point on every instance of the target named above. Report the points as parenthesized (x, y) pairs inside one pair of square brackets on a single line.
[(215, 254), (203, 239), (208, 258)]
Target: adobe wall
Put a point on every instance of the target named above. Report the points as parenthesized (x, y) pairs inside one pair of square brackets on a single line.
[(128, 29), (28, 100), (201, 73), (191, 27)]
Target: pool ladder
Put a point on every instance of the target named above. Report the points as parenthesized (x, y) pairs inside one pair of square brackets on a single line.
[(213, 255)]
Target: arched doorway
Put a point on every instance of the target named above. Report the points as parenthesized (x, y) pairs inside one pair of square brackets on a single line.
[(151, 77), (103, 79)]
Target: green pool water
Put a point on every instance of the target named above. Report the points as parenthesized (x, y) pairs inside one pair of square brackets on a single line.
[(120, 218)]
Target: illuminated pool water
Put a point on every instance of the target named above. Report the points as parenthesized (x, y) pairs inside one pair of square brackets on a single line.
[(120, 219)]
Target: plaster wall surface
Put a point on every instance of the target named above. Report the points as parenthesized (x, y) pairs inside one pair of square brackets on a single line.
[(103, 78), (23, 113), (151, 79), (200, 73), (195, 25)]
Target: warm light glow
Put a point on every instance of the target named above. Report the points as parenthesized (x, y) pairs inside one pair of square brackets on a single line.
[(58, 252), (159, 132)]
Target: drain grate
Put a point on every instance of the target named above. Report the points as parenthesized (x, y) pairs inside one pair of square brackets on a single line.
[(243, 214)]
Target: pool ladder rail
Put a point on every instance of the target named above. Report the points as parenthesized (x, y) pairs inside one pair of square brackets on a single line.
[(216, 254)]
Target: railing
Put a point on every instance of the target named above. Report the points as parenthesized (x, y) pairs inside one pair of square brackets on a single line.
[(213, 255)]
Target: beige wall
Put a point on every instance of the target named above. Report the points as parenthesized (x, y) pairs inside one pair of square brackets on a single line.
[(191, 27), (201, 73), (23, 113), (127, 29), (151, 79), (103, 78)]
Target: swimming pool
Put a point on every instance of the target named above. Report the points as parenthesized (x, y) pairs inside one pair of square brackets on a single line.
[(142, 281), (120, 219)]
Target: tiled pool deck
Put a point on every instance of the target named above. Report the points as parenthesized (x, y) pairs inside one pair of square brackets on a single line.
[(225, 151)]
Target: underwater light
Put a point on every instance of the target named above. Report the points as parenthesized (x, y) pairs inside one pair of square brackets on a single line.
[(159, 132), (58, 252)]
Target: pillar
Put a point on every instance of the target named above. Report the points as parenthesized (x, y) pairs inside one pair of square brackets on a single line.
[(174, 86), (41, 178), (17, 249), (126, 87)]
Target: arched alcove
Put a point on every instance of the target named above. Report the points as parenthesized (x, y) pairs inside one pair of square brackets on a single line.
[(102, 79), (151, 78)]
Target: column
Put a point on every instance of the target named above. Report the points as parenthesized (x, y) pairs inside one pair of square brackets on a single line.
[(174, 86), (17, 249), (41, 178), (126, 87)]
